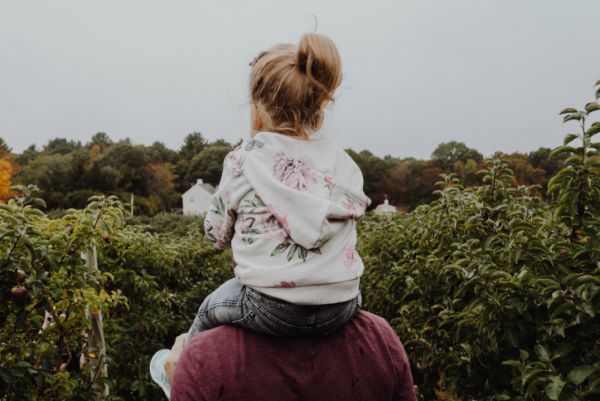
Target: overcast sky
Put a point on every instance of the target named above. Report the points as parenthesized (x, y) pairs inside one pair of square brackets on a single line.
[(491, 73)]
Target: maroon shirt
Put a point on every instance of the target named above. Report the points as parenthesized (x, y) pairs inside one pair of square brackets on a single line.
[(362, 361)]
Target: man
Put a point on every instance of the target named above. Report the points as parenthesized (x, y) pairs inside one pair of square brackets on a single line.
[(362, 361)]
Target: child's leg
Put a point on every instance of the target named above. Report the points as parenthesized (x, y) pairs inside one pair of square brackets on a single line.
[(276, 317), (225, 305)]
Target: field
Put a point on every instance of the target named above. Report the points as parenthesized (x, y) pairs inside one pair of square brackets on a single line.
[(494, 289)]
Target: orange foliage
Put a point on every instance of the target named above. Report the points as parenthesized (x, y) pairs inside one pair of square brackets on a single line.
[(160, 178), (7, 170), (95, 150)]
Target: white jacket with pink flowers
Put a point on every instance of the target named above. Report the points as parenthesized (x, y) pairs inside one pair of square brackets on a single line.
[(288, 208)]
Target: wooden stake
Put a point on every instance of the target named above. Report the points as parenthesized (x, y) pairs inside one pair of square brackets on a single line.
[(96, 342)]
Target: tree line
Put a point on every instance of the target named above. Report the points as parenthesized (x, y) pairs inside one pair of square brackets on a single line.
[(68, 172)]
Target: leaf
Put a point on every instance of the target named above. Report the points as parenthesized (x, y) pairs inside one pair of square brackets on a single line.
[(569, 138), (302, 253), (292, 250), (554, 388), (562, 350), (575, 116), (578, 374), (542, 352), (568, 110), (280, 248), (562, 149), (593, 130), (592, 106)]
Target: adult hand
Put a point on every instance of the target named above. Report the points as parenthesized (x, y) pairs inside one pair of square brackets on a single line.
[(173, 357)]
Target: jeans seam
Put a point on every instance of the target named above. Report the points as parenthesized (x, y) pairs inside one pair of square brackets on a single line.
[(275, 319)]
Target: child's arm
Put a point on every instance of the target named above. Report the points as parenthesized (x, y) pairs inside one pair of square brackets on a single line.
[(221, 216)]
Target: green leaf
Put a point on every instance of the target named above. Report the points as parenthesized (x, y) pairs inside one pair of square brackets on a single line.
[(575, 116), (568, 110), (280, 248), (542, 352), (593, 130), (579, 373), (592, 106), (292, 250), (562, 149), (554, 388), (569, 138)]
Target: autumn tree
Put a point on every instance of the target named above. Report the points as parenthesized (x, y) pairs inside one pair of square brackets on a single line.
[(6, 173)]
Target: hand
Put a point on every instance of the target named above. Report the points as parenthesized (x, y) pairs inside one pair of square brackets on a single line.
[(173, 357)]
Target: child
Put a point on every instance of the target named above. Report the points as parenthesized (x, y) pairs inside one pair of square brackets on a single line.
[(287, 205)]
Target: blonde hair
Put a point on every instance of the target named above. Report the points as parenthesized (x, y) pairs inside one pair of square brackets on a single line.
[(291, 85)]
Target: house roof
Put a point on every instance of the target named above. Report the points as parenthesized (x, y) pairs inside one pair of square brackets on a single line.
[(208, 187), (201, 185)]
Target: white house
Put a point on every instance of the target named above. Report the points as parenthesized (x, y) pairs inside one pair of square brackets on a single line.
[(385, 207), (196, 200)]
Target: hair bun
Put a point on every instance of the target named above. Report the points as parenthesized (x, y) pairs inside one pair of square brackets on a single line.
[(318, 58)]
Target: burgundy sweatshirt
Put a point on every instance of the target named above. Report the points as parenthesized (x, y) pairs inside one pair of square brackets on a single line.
[(362, 361)]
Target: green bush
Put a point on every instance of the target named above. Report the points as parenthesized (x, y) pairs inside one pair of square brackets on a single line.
[(494, 292), (149, 287)]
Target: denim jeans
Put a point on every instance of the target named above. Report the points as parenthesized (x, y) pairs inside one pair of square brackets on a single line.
[(235, 304)]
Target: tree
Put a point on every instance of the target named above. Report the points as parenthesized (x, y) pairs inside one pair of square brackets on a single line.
[(446, 154), (102, 140), (193, 144), (545, 160), (524, 173), (53, 174), (6, 173), (28, 155), (160, 182), (160, 153), (130, 161), (5, 150), (208, 165), (469, 173), (61, 146), (373, 169)]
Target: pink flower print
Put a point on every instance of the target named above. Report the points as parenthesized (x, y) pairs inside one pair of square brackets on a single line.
[(277, 224), (352, 211), (293, 173), (329, 182), (234, 164), (223, 236), (350, 256), (246, 225), (285, 284), (355, 210)]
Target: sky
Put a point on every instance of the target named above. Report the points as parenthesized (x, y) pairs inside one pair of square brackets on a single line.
[(491, 73)]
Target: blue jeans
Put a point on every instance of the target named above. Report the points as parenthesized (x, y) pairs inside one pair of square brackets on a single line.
[(235, 304)]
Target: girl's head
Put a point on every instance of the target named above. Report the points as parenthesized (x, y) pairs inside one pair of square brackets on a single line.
[(291, 85)]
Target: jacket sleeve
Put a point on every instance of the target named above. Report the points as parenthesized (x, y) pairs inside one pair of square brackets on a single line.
[(221, 216)]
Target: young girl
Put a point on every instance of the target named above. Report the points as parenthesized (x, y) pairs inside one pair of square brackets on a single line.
[(287, 205)]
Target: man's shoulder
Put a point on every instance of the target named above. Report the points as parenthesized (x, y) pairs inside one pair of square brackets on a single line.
[(363, 326), (366, 348)]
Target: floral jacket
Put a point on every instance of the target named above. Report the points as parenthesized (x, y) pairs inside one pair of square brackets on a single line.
[(288, 208)]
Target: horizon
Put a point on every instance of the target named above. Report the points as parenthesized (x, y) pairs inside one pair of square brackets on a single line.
[(84, 142)]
